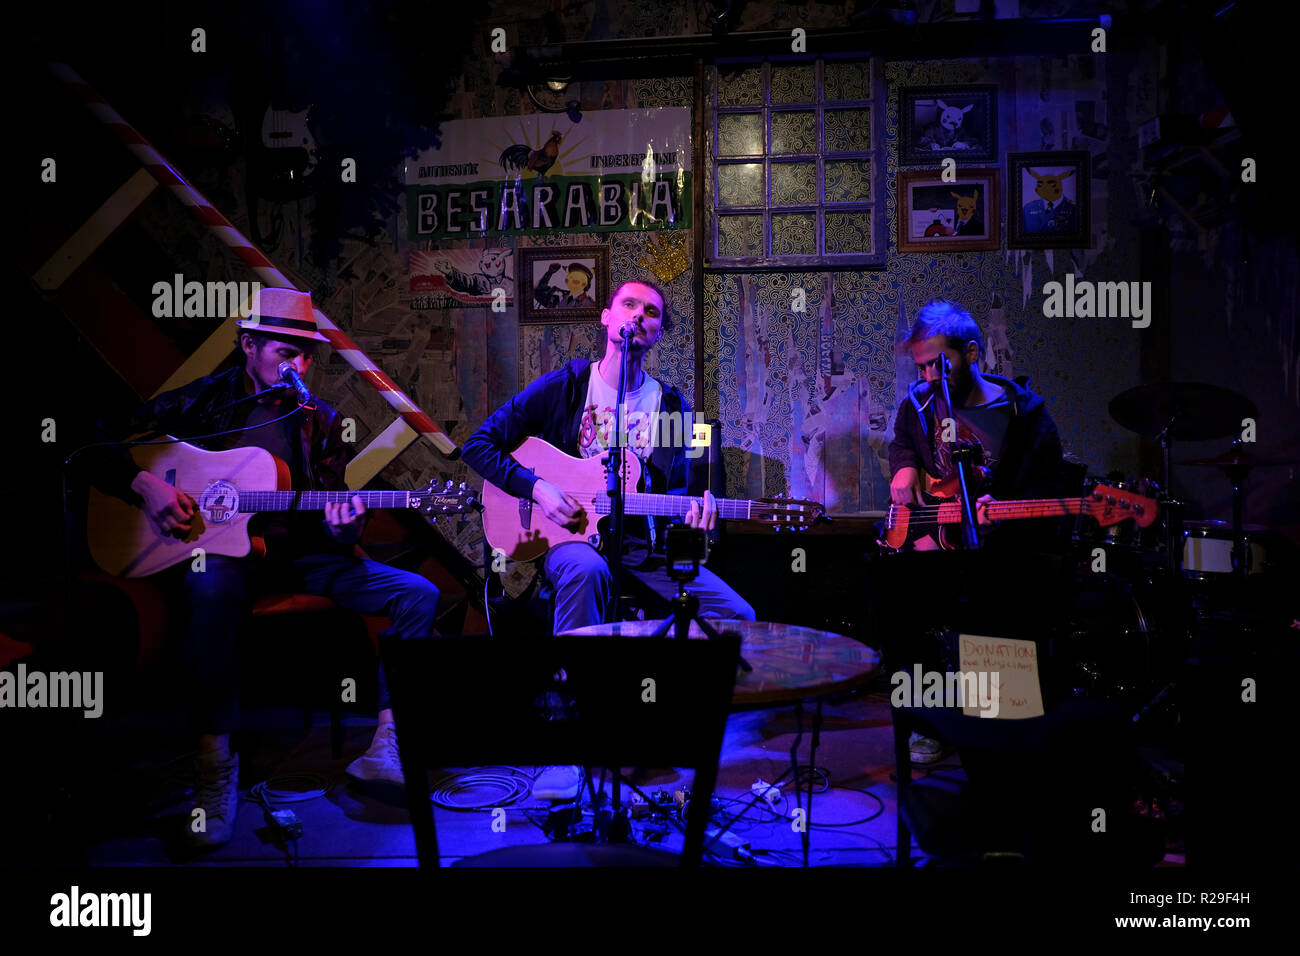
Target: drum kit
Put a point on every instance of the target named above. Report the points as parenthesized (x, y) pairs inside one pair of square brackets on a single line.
[(1165, 578), (1191, 411)]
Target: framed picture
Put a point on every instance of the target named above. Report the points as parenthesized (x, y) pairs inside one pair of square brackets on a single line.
[(563, 283), (1047, 200), (939, 122), (961, 216)]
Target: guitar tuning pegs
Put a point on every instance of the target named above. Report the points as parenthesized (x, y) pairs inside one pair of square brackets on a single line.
[(449, 483), (462, 486)]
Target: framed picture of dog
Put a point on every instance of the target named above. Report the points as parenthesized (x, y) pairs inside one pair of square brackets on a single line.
[(942, 122), (960, 216), (1048, 200), (563, 283)]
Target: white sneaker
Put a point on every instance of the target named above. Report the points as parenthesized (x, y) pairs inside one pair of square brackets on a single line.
[(559, 784), (218, 797), (381, 763), (924, 750)]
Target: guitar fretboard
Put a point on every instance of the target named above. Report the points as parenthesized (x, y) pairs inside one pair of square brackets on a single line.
[(316, 500), (673, 506), (1042, 508)]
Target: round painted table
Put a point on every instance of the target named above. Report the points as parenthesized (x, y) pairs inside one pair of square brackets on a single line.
[(790, 663)]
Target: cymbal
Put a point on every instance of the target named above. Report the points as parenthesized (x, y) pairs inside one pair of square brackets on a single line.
[(1240, 458), (1198, 411)]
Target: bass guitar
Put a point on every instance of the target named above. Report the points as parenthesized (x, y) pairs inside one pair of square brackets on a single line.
[(940, 508)]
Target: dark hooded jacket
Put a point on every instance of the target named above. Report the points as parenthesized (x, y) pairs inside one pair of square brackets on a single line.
[(1029, 463), (551, 409)]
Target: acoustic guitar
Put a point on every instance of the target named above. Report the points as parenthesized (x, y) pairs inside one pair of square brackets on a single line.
[(520, 529), (228, 487)]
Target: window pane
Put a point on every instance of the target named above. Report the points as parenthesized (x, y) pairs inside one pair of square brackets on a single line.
[(740, 134), (847, 80), (741, 88), (740, 235), (848, 233), (848, 180), (740, 184), (794, 184), (848, 130), (794, 131), (794, 234), (793, 83)]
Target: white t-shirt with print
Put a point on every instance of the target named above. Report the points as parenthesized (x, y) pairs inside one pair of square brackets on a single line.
[(642, 408)]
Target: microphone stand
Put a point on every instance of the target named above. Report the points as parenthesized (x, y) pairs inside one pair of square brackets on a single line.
[(960, 461), (614, 484)]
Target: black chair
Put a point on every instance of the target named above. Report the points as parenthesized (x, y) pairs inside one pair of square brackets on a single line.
[(472, 701)]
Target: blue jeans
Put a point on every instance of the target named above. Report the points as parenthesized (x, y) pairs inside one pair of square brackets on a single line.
[(583, 583), (220, 598)]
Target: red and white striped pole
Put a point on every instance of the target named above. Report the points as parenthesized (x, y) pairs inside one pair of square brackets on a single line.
[(163, 171)]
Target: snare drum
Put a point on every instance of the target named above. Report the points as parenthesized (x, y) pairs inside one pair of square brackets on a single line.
[(1207, 548)]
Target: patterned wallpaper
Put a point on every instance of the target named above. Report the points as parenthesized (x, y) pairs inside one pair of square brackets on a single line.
[(807, 400)]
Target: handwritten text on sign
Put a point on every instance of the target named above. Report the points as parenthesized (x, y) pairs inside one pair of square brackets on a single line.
[(1020, 694)]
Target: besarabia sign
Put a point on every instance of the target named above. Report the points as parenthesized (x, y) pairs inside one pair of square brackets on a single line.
[(615, 171)]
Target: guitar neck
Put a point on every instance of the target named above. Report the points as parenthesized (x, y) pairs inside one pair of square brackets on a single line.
[(674, 506), (950, 511), (250, 501)]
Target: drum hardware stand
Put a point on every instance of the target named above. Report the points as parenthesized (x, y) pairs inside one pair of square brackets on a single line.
[(1236, 474), (1155, 701), (1173, 508)]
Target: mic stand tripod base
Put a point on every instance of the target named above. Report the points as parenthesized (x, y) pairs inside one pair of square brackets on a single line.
[(686, 608)]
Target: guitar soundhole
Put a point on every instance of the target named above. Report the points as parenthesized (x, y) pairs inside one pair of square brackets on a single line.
[(219, 502)]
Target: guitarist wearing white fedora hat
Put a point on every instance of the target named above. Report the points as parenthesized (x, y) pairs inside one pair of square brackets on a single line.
[(248, 410)]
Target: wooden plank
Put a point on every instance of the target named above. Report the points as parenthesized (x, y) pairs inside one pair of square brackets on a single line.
[(128, 339), (96, 229), (205, 358), (381, 450)]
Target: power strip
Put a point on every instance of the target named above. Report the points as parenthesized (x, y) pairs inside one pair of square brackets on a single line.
[(770, 792)]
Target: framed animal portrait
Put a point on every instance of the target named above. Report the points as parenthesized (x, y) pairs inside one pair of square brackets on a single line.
[(961, 216), (1048, 200), (939, 122), (563, 283)]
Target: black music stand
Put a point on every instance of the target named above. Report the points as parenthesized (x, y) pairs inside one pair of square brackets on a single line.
[(470, 701)]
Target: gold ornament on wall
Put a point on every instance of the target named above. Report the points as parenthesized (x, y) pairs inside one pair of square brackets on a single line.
[(667, 257)]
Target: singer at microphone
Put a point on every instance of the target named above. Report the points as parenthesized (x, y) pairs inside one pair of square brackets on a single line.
[(289, 375)]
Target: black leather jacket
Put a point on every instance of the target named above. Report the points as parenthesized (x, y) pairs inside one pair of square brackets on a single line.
[(191, 410)]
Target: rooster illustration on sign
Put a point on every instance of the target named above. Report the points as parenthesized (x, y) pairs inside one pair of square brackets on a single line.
[(520, 157)]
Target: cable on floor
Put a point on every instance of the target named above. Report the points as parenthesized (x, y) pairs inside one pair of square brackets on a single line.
[(515, 787)]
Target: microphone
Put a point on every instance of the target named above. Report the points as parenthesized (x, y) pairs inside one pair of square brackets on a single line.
[(289, 374), (628, 331)]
